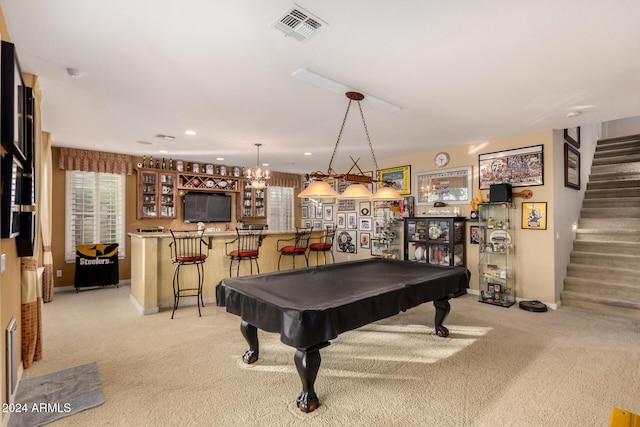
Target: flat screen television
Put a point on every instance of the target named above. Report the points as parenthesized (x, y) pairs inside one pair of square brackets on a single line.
[(206, 207)]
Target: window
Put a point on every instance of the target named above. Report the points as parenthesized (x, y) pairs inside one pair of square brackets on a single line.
[(280, 212), (94, 210)]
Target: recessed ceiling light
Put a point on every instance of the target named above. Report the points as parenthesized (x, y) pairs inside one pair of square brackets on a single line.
[(572, 114), (220, 158), (190, 132), (163, 152), (307, 154), (265, 164)]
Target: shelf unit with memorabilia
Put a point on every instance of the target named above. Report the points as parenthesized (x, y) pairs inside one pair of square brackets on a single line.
[(496, 260), (156, 193), (435, 240), (254, 201), (387, 230)]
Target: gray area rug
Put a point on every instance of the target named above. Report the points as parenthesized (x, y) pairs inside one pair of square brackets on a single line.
[(42, 400)]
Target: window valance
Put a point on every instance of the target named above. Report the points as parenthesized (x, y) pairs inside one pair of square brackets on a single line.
[(94, 161), (281, 179)]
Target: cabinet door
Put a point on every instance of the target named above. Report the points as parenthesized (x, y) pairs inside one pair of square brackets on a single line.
[(167, 195), (254, 202), (148, 194)]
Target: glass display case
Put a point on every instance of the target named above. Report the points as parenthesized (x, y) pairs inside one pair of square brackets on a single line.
[(156, 194), (387, 230), (435, 240), (496, 258), (253, 202)]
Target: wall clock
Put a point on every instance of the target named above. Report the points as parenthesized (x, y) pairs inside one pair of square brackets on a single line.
[(441, 159)]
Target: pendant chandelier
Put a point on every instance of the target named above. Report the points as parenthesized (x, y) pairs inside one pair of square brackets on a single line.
[(356, 191), (257, 178)]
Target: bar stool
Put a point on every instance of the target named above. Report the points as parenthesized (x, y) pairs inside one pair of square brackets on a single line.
[(247, 247), (295, 246), (187, 248), (324, 245)]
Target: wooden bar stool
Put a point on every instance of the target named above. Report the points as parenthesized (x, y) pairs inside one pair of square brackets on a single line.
[(324, 245), (245, 247), (295, 246), (188, 248)]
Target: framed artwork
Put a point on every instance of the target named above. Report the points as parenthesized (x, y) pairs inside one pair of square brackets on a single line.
[(12, 104), (571, 167), (365, 208), (572, 136), (366, 224), (319, 211), (305, 212), (534, 215), (474, 235), (307, 223), (454, 186), (345, 204), (521, 167), (328, 225), (312, 211), (317, 224), (365, 240), (399, 176), (341, 219), (347, 242), (328, 212), (351, 220)]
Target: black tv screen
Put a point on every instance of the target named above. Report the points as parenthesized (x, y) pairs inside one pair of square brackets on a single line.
[(206, 207)]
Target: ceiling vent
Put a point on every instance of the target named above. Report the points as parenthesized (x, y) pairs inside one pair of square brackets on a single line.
[(298, 23), (166, 137)]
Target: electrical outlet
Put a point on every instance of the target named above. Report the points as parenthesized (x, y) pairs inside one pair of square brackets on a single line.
[(58, 273)]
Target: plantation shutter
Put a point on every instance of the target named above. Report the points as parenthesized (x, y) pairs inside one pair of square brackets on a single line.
[(280, 208)]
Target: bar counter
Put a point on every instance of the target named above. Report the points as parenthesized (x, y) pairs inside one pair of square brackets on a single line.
[(152, 270)]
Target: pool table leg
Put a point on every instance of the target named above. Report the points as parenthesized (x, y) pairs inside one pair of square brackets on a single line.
[(250, 333), (308, 363), (442, 309)]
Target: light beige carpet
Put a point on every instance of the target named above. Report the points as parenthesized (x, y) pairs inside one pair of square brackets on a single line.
[(499, 367)]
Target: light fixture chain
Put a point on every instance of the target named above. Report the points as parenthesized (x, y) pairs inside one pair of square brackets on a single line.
[(335, 149), (366, 131)]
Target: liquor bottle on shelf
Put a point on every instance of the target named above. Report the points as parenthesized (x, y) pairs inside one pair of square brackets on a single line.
[(151, 161), (170, 164), (144, 161), (157, 164), (164, 165)]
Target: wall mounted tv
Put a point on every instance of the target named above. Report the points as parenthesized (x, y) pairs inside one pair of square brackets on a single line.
[(206, 207)]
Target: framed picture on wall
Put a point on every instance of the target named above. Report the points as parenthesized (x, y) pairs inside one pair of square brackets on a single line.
[(534, 215), (571, 167), (520, 167), (400, 177), (572, 136)]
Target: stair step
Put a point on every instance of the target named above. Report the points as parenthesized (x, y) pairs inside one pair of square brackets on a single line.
[(619, 140), (603, 288), (606, 234), (619, 260), (627, 166), (604, 246), (603, 153), (607, 306), (622, 182), (619, 225), (622, 202), (597, 161), (611, 212), (612, 193), (621, 275)]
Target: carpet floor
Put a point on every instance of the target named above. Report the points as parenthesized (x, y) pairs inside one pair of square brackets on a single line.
[(499, 367)]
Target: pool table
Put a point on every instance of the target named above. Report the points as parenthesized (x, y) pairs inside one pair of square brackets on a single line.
[(309, 307)]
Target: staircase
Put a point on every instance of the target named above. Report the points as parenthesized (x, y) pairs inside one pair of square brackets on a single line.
[(604, 271)]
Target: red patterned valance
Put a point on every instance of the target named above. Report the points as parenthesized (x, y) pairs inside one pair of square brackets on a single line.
[(281, 179), (94, 161)]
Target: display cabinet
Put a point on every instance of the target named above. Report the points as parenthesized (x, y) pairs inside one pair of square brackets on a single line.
[(387, 230), (496, 258), (156, 194), (435, 240), (254, 202)]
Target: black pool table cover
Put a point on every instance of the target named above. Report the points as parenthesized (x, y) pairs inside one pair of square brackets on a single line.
[(310, 306)]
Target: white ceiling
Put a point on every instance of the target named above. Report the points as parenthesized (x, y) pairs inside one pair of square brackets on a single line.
[(462, 71)]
